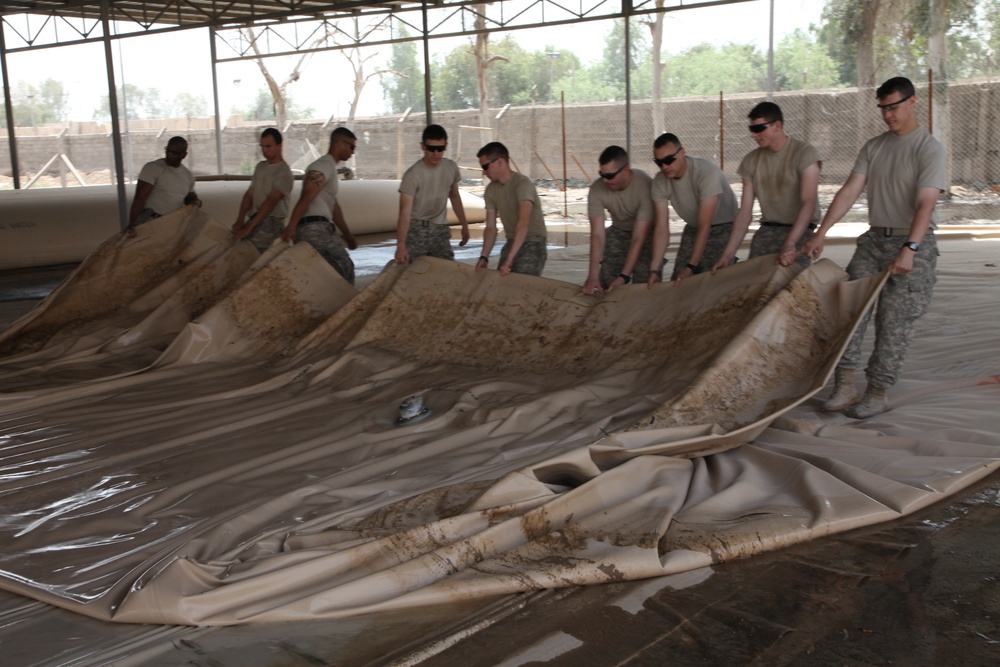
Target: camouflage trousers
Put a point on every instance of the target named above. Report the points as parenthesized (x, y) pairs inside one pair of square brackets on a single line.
[(616, 245), (716, 245), (264, 234), (770, 239), (903, 299), (428, 238), (322, 236), (145, 216), (530, 258)]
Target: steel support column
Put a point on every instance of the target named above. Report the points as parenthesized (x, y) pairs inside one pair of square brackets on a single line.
[(427, 69), (116, 136), (215, 98), (9, 110), (627, 11)]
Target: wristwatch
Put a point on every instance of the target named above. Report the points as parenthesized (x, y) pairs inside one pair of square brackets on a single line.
[(912, 246), (627, 279)]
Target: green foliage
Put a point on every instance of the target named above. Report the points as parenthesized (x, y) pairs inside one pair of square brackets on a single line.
[(902, 31), (48, 102), (613, 64), (145, 103), (801, 63), (707, 69), (403, 92)]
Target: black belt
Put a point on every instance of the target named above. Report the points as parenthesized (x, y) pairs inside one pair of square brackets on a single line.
[(768, 223), (891, 231), (314, 218)]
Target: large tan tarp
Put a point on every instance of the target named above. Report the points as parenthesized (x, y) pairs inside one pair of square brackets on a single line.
[(252, 468)]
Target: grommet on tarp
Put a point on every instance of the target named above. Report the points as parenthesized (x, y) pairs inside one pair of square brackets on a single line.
[(412, 411)]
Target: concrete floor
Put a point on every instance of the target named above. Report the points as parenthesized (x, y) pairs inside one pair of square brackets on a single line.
[(921, 590)]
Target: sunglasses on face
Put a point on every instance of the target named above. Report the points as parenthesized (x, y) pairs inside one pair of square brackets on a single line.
[(759, 127), (171, 151), (435, 149), (486, 166), (610, 176), (668, 160), (349, 144), (893, 105)]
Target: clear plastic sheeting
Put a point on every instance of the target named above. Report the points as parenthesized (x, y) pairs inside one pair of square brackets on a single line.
[(248, 466)]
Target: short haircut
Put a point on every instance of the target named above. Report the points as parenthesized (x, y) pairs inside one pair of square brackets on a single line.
[(667, 138), (769, 111), (897, 84), (178, 140), (273, 133), (341, 133), (494, 150), (613, 154), (434, 133)]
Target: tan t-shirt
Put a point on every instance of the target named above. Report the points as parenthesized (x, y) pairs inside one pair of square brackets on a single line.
[(322, 204), (504, 199), (625, 206), (267, 177), (777, 179), (896, 167), (170, 185), (430, 187), (701, 180)]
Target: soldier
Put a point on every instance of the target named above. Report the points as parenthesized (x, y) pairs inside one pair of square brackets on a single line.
[(783, 174), (164, 185), (267, 195), (317, 205), (511, 196), (621, 252), (904, 170), (423, 202), (701, 195)]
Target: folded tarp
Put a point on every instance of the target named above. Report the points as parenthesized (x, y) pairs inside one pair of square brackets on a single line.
[(261, 473)]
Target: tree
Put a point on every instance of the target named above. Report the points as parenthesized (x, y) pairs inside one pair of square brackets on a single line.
[(134, 103), (615, 62), (800, 63), (705, 70), (48, 102), (358, 61), (187, 105), (263, 108), (279, 91), (407, 89)]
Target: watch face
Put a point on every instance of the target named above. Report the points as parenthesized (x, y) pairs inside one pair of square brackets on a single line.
[(912, 246)]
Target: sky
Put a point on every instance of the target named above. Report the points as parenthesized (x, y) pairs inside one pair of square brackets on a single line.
[(181, 62)]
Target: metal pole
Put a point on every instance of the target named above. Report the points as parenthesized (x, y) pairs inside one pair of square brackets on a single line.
[(427, 67), (11, 138), (770, 55), (116, 137), (627, 10), (215, 96), (930, 101), (722, 132), (565, 170)]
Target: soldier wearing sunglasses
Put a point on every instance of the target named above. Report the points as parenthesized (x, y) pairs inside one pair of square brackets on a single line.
[(620, 252), (783, 174), (512, 197), (163, 186), (701, 196), (424, 192), (904, 171), (317, 211)]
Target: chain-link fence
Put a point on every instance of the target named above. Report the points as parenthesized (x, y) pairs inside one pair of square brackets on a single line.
[(556, 144)]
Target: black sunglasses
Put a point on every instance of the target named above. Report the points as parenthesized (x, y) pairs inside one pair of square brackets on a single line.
[(759, 127), (487, 165), (608, 177), (669, 160), (435, 149), (892, 106)]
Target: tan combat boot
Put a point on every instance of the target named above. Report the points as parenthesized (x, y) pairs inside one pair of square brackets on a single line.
[(844, 393), (874, 402)]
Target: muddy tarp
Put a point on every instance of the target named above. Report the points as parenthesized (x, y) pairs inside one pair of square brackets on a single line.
[(256, 470)]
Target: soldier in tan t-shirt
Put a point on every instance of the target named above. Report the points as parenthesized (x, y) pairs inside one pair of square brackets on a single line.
[(424, 192), (621, 251), (266, 200), (783, 174), (905, 171)]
